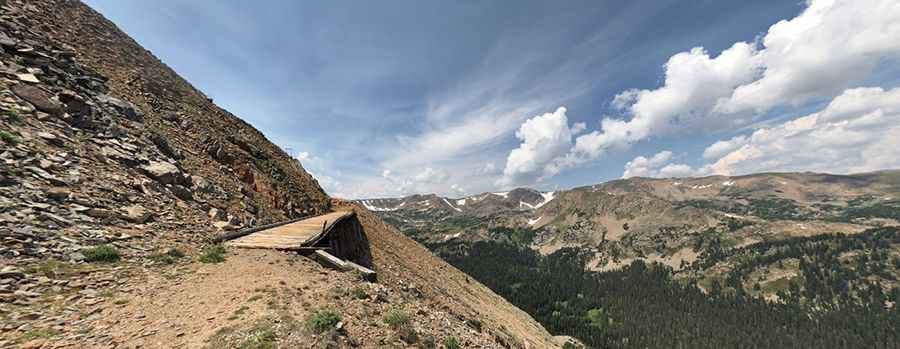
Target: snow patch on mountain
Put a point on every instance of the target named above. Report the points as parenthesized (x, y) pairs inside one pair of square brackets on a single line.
[(451, 205), (547, 197), (371, 206)]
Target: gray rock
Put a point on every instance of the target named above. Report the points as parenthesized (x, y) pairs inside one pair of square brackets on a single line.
[(76, 257), (163, 172), (11, 272), (5, 40), (182, 193), (163, 145), (41, 99), (46, 216), (126, 108), (135, 214), (51, 138)]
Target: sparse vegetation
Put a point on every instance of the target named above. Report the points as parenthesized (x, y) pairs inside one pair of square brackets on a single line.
[(8, 138), (322, 320), (52, 268), (396, 318), (12, 116), (101, 254), (38, 334), (451, 343), (359, 292), (213, 254), (169, 257)]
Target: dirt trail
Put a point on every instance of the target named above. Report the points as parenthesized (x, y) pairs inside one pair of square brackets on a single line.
[(192, 305)]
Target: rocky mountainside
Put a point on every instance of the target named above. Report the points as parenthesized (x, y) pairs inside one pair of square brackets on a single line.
[(114, 174)]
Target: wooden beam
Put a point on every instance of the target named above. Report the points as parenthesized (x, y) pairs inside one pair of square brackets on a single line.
[(330, 260), (244, 232), (367, 274)]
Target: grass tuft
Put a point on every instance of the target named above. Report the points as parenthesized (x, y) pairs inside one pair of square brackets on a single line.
[(396, 318), (213, 254), (451, 343), (359, 292), (322, 320), (9, 137), (101, 254), (12, 116), (38, 334)]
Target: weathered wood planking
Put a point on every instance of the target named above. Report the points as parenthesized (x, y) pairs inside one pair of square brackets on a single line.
[(292, 236)]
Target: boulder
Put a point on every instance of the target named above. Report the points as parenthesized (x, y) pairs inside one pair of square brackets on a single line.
[(41, 99), (135, 214), (127, 109), (58, 193), (163, 172)]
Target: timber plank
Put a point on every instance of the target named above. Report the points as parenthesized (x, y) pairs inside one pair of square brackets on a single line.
[(291, 236)]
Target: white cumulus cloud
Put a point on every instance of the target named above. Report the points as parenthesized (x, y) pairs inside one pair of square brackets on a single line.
[(857, 132), (832, 45), (545, 138), (659, 166)]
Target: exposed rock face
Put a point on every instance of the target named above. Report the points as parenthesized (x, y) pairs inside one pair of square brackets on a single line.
[(87, 117)]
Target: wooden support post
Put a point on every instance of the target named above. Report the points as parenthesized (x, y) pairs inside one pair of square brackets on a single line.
[(367, 274), (333, 261)]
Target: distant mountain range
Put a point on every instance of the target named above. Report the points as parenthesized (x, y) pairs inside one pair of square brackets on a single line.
[(671, 221)]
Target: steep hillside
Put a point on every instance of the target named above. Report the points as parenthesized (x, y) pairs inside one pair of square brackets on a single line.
[(115, 173)]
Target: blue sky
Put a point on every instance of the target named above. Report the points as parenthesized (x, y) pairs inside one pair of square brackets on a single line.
[(460, 97)]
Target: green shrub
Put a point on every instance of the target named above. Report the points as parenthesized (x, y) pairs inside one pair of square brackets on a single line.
[(12, 116), (101, 254), (213, 254), (8, 137), (396, 318), (451, 343), (322, 320), (359, 292)]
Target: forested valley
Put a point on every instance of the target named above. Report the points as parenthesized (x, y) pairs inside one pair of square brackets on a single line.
[(841, 298)]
